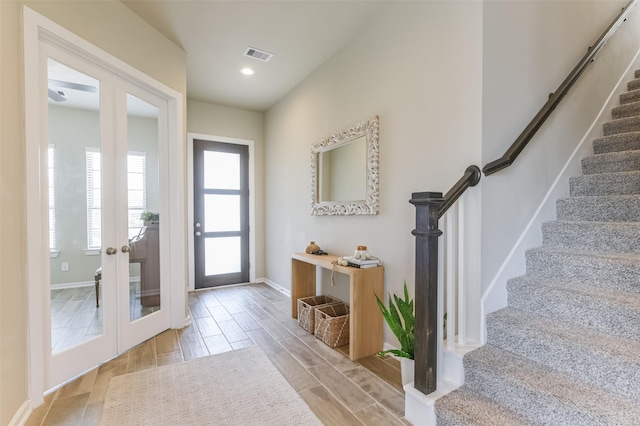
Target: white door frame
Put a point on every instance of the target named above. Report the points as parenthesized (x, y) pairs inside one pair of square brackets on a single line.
[(36, 30), (252, 201)]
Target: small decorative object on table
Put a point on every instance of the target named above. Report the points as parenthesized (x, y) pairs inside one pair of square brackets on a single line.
[(361, 259), (361, 253), (312, 247)]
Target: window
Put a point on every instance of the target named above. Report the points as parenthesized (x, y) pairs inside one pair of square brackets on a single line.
[(137, 195), (52, 197), (137, 184)]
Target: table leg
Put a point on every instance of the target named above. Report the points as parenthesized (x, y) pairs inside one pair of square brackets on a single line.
[(303, 283)]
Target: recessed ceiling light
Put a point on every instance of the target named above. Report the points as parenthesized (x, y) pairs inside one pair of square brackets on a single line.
[(246, 71)]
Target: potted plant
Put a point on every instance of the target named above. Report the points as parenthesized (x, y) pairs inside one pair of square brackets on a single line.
[(150, 218), (401, 319)]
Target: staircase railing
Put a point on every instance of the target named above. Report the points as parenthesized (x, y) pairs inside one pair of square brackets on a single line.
[(431, 206), (554, 98)]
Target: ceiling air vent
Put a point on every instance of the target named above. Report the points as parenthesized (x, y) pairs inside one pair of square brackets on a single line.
[(258, 54)]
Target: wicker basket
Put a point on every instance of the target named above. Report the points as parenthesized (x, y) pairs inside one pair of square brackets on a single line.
[(306, 306), (332, 324)]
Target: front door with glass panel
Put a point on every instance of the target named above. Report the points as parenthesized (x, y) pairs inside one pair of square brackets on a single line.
[(103, 167), (221, 213)]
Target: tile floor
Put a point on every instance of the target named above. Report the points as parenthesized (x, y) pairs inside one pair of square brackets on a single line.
[(75, 317), (338, 390)]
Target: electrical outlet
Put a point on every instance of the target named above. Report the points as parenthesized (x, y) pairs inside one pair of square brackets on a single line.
[(65, 266)]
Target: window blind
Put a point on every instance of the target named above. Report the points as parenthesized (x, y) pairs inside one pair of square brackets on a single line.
[(136, 195)]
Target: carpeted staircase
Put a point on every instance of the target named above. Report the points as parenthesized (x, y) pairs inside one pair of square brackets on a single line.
[(566, 350)]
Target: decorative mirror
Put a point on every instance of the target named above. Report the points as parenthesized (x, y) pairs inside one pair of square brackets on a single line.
[(344, 171)]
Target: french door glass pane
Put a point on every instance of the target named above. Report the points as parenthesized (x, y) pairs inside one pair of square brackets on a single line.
[(74, 130), (143, 205), (222, 255), (221, 170), (221, 213)]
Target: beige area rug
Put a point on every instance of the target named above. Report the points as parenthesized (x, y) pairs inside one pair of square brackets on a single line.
[(240, 387)]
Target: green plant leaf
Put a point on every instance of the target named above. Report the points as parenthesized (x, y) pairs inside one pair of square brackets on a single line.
[(401, 320), (407, 313), (386, 313), (394, 312)]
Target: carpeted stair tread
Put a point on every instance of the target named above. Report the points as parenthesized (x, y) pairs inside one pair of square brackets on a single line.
[(621, 125), (633, 84), (586, 303), (464, 407), (620, 183), (608, 237), (611, 162), (620, 142), (636, 73), (570, 349), (627, 110), (541, 394), (610, 208), (615, 292), (630, 96), (559, 262)]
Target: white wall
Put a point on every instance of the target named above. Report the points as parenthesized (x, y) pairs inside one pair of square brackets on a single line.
[(216, 120), (529, 47), (417, 66)]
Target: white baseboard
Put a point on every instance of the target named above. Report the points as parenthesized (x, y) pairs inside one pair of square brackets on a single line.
[(78, 284), (22, 415), (187, 321), (275, 286)]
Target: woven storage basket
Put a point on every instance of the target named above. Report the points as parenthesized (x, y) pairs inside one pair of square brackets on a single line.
[(306, 305), (332, 324)]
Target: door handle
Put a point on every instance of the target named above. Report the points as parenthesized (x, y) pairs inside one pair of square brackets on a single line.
[(198, 233), (126, 249), (111, 251), (198, 225)]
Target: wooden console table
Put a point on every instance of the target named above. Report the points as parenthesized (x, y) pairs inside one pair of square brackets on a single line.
[(366, 321)]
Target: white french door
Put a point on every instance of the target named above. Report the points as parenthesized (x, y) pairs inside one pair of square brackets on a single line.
[(107, 205)]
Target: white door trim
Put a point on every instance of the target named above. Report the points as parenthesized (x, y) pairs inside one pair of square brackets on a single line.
[(37, 29), (252, 200)]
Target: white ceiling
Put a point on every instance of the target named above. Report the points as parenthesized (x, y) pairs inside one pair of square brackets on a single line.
[(214, 34)]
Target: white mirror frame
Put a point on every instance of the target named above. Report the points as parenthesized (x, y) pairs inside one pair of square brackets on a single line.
[(369, 129)]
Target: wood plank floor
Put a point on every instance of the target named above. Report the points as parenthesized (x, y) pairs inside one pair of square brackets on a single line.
[(338, 390), (75, 317)]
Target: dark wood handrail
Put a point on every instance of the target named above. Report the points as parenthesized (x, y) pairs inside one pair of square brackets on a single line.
[(471, 177), (554, 98)]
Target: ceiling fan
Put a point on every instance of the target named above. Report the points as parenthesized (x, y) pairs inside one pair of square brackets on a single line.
[(60, 96)]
